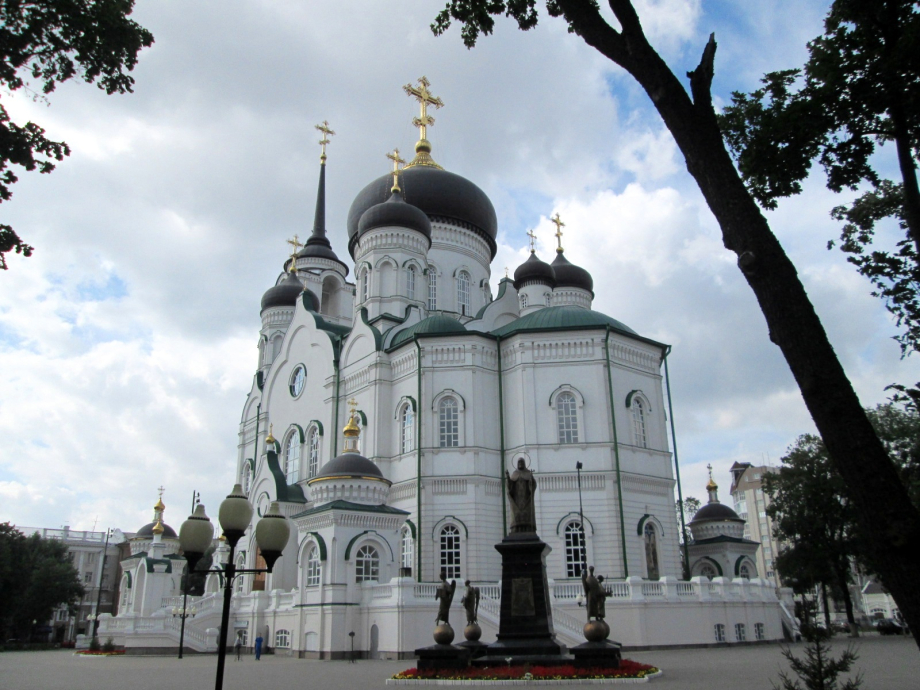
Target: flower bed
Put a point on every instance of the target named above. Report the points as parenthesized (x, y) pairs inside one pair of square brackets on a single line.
[(628, 670)]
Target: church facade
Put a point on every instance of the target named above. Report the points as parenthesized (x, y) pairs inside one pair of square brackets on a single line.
[(440, 388)]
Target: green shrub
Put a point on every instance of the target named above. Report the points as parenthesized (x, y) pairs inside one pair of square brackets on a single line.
[(94, 644), (109, 645)]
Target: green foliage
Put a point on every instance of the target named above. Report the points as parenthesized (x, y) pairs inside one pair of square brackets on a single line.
[(51, 42), (859, 90), (818, 669), (898, 429), (94, 645), (36, 576), (811, 516), (109, 645)]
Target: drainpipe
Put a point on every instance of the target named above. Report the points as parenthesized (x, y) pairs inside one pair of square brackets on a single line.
[(680, 495), (616, 452), (501, 439), (255, 449), (418, 464), (335, 418)]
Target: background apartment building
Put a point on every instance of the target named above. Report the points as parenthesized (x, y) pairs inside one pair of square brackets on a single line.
[(751, 505)]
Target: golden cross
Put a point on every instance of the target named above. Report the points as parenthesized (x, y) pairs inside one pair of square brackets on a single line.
[(295, 243), (161, 489), (425, 98), (324, 128), (397, 161), (709, 467), (559, 225), (506, 271), (533, 239), (353, 404)]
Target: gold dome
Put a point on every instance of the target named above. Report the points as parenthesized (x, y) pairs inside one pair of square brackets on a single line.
[(711, 486), (270, 438), (159, 505), (158, 528)]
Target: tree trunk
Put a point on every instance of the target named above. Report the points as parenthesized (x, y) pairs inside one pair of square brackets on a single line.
[(843, 576), (825, 606), (873, 485)]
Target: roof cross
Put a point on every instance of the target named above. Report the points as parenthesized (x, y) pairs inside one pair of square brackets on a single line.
[(295, 243), (533, 240), (425, 98), (559, 225), (324, 128), (397, 161)]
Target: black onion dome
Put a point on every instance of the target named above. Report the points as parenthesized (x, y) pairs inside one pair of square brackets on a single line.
[(349, 465), (284, 294), (146, 532), (715, 511), (395, 212), (570, 275), (438, 193), (534, 270)]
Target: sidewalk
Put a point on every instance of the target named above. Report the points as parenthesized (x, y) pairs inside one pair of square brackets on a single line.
[(888, 663)]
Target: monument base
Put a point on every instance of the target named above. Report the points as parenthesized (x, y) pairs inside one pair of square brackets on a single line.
[(476, 648), (439, 656), (526, 618), (604, 654)]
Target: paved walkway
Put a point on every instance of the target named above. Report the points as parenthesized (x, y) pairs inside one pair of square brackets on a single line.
[(888, 663)]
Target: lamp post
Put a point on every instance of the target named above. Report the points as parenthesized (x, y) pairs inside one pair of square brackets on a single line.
[(183, 613), (95, 616), (235, 514), (581, 517), (188, 571)]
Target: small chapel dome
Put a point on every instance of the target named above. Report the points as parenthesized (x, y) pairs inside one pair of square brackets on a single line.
[(348, 465), (439, 323), (560, 318), (148, 530), (534, 271), (395, 212), (715, 511), (570, 275), (284, 294), (715, 519)]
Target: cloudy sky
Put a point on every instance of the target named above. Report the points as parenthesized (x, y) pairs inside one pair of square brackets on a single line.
[(128, 341)]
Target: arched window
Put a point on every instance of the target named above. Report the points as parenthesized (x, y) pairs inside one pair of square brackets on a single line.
[(276, 346), (523, 300), (406, 429), (365, 284), (739, 632), (745, 571), (759, 631), (313, 452), (575, 556), (367, 564), (247, 477), (282, 638), (567, 418), (450, 551), (312, 579), (651, 552), (448, 423), (292, 457), (638, 415), (240, 581), (432, 289), (720, 632), (547, 299), (707, 571), (463, 292), (405, 548), (410, 282)]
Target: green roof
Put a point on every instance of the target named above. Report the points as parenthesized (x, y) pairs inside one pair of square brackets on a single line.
[(561, 318), (437, 324), (354, 507)]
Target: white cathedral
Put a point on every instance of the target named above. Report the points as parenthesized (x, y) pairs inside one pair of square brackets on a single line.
[(382, 418)]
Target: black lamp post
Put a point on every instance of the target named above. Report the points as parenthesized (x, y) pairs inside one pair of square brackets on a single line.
[(95, 616), (184, 612), (235, 514)]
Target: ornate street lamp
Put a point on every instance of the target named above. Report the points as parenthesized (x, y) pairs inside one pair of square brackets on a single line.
[(235, 514), (182, 612)]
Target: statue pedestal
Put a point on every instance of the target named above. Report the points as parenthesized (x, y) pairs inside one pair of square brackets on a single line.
[(526, 619), (601, 654), (442, 656)]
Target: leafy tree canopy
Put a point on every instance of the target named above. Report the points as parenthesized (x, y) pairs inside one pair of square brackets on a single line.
[(36, 577), (50, 42), (860, 89)]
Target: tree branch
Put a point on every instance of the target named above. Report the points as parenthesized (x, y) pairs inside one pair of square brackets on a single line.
[(701, 77)]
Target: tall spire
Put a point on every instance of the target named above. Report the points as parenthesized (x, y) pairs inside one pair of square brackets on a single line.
[(318, 245)]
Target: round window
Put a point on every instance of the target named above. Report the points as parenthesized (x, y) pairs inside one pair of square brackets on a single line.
[(298, 379)]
